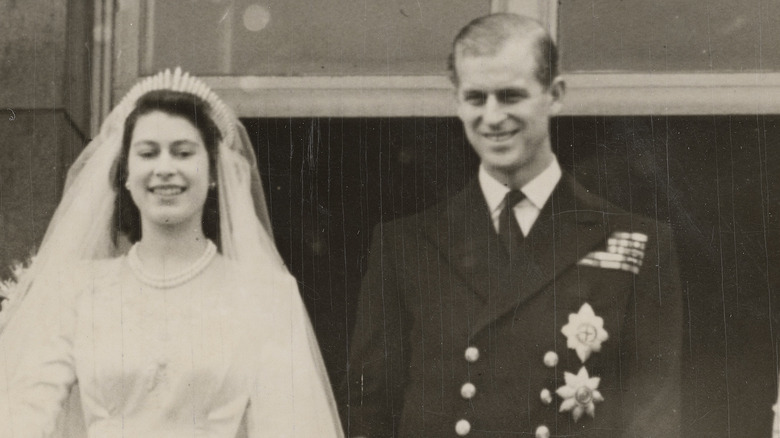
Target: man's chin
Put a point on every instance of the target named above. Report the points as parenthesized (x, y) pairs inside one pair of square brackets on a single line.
[(505, 163)]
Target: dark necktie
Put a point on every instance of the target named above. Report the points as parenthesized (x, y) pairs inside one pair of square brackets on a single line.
[(508, 229)]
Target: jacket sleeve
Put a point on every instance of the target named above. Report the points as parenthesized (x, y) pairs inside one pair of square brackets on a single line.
[(652, 343), (376, 375)]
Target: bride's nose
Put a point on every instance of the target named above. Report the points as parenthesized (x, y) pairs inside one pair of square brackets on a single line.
[(164, 166)]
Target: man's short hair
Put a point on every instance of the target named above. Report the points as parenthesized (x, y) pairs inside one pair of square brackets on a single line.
[(485, 36)]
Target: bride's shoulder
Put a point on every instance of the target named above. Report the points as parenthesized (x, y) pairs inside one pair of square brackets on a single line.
[(92, 274), (254, 274), (256, 282), (98, 269)]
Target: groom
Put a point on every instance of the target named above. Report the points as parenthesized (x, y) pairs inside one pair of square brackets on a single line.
[(524, 305)]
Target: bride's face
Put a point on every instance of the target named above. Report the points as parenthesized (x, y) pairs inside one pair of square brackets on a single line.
[(168, 171)]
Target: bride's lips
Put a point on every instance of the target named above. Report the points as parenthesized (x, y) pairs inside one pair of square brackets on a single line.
[(167, 190)]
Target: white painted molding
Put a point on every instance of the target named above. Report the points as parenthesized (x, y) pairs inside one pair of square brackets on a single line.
[(101, 59), (356, 96), (672, 94)]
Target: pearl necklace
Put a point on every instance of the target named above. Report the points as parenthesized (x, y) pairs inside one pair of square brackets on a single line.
[(169, 281)]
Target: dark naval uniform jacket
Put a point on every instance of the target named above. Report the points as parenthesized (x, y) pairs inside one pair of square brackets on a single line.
[(577, 334)]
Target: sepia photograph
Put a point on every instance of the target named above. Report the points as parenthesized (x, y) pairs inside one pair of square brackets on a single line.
[(404, 218)]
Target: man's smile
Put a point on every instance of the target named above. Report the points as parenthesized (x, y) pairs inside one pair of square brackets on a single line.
[(499, 137)]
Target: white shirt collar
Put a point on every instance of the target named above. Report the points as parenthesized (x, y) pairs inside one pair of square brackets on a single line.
[(537, 191)]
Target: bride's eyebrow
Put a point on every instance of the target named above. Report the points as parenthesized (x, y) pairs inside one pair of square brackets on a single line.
[(185, 142), (175, 143), (144, 142)]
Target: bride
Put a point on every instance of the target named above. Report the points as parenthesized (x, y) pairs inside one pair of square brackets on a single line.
[(198, 329)]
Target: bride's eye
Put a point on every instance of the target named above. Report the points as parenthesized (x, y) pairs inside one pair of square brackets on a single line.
[(145, 149), (184, 149)]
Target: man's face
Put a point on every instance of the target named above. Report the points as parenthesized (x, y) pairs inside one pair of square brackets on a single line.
[(505, 110)]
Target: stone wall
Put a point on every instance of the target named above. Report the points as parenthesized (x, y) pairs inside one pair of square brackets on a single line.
[(44, 113)]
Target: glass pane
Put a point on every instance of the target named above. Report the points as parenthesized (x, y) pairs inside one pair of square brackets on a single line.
[(303, 38), (669, 35)]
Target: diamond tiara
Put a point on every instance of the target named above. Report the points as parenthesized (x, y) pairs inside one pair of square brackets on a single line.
[(182, 81)]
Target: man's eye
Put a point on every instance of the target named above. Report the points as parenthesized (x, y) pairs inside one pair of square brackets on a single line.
[(512, 96), (475, 98)]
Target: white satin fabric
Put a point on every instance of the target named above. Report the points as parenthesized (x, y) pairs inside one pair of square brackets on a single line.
[(190, 361), (776, 422)]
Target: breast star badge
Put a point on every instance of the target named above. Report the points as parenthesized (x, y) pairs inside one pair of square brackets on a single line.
[(585, 332), (580, 394)]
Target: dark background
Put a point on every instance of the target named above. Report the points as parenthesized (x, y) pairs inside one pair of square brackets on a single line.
[(714, 179)]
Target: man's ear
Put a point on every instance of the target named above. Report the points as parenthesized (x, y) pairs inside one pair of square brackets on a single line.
[(456, 99), (557, 91)]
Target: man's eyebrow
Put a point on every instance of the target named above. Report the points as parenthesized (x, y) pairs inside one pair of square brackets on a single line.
[(512, 89)]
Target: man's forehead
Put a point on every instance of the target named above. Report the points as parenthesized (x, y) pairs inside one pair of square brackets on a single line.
[(522, 46), (512, 67)]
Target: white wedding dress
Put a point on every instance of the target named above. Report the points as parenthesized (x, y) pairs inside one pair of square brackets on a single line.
[(194, 360)]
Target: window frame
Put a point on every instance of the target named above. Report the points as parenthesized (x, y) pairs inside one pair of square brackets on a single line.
[(588, 94), (276, 96), (688, 93)]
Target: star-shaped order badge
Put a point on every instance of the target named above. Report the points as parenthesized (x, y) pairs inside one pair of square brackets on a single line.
[(585, 332), (580, 394)]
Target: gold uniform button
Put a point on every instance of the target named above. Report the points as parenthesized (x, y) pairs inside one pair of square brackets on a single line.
[(542, 432), (472, 354), (462, 427), (546, 396), (468, 390)]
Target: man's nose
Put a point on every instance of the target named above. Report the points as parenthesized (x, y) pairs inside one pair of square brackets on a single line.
[(493, 111)]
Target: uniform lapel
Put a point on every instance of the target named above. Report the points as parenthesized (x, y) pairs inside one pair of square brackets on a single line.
[(470, 244), (570, 225)]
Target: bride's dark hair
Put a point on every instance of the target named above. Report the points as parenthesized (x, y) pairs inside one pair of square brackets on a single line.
[(127, 217)]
